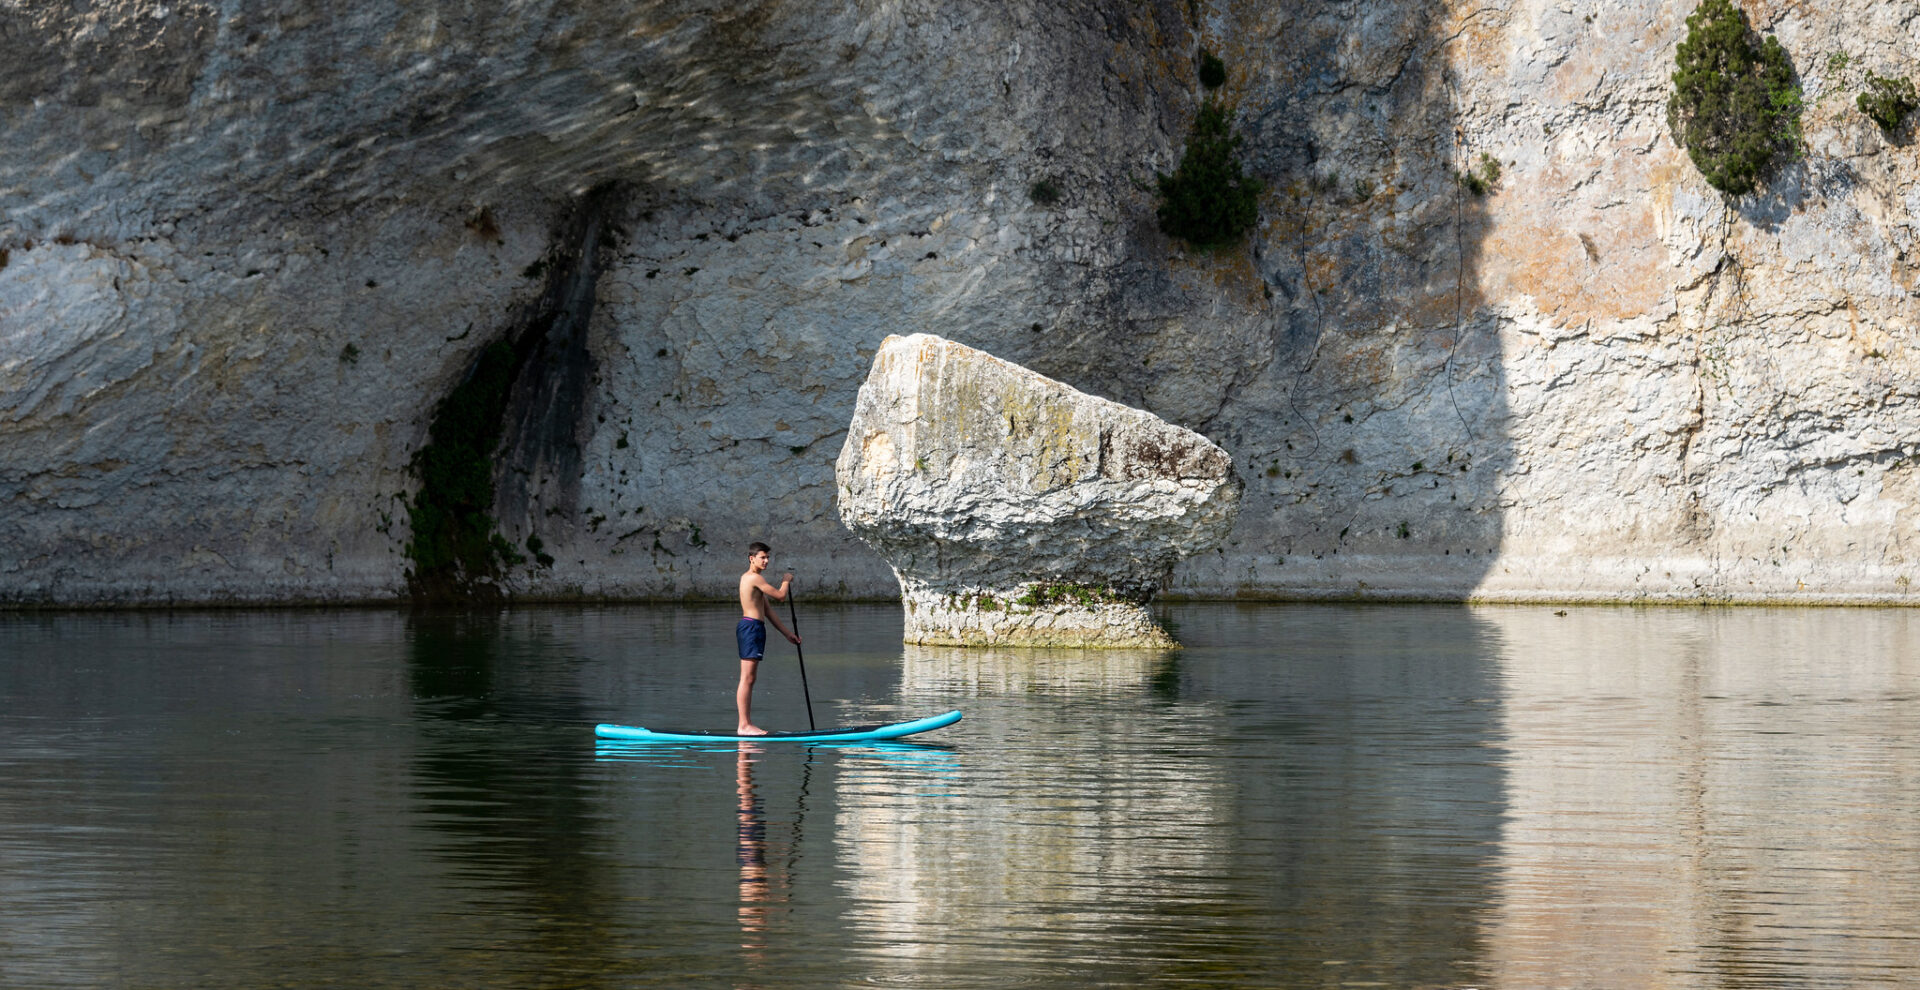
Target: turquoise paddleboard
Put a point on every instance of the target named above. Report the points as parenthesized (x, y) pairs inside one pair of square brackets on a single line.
[(849, 733)]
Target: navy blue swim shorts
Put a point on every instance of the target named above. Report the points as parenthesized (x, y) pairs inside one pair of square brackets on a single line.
[(752, 634)]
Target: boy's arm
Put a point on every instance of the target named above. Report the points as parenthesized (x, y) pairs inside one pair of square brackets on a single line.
[(774, 617), (766, 587)]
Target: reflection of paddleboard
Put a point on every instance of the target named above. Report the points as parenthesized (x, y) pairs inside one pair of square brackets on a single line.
[(843, 734)]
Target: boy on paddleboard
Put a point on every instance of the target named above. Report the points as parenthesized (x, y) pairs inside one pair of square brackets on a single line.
[(751, 630)]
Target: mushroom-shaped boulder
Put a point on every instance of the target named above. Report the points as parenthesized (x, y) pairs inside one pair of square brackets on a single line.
[(1016, 510)]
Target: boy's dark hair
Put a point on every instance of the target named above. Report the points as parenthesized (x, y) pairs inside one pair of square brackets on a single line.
[(758, 547)]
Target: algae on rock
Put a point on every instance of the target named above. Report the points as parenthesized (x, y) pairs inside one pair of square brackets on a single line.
[(456, 550)]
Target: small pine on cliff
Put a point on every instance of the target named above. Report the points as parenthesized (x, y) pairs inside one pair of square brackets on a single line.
[(1735, 106), (1208, 201)]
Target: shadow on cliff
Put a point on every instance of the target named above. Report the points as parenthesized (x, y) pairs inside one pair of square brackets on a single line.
[(1791, 186), (1345, 356)]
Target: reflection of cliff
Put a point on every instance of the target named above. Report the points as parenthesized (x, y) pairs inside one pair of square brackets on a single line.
[(500, 817), (174, 784), (1367, 789), (1706, 797), (1081, 834)]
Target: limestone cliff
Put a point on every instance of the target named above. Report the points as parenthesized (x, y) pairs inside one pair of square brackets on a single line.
[(246, 252)]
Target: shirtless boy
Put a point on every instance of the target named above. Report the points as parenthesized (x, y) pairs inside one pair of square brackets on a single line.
[(752, 629)]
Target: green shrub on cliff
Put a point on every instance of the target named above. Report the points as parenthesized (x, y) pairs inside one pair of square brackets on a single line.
[(1213, 72), (1481, 180), (1209, 201), (1887, 101), (1735, 106)]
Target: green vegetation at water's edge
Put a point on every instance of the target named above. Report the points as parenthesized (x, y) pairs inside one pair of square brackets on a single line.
[(456, 550), (1209, 201), (1735, 105), (1043, 594)]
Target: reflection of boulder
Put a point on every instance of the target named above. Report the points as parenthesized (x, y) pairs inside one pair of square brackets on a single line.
[(1026, 671), (1080, 835), (1016, 510)]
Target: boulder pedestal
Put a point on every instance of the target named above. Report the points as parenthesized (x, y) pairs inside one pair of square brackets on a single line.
[(1035, 614)]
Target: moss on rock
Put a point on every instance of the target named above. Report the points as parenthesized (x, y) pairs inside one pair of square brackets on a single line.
[(456, 548)]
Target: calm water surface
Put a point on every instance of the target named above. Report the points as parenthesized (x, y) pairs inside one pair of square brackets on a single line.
[(1306, 797)]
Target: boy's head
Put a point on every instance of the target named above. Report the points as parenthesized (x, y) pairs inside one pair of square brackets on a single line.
[(756, 548)]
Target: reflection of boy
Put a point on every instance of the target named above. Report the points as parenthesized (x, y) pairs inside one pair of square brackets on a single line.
[(750, 853), (751, 630)]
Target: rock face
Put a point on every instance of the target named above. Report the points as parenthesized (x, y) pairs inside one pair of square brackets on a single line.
[(248, 250), (1017, 510)]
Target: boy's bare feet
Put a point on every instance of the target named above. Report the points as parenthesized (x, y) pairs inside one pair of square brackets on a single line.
[(750, 730)]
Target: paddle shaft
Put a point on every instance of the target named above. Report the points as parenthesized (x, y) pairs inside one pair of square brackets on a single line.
[(793, 615)]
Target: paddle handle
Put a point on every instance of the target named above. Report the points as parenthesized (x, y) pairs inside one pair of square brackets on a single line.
[(793, 616)]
